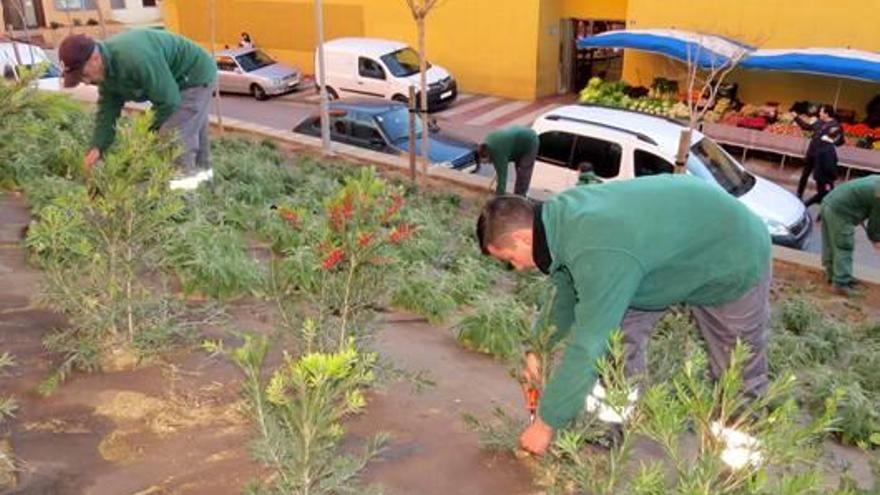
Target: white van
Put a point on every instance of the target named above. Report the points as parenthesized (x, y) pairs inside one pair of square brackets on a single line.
[(15, 56), (382, 69), (618, 144)]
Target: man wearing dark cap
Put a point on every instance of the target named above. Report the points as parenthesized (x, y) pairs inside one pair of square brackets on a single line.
[(174, 74)]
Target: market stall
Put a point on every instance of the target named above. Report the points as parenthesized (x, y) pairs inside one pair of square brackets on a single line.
[(766, 127)]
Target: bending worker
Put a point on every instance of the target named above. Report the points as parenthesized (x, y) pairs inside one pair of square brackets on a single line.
[(513, 144), (177, 76), (614, 267), (844, 208)]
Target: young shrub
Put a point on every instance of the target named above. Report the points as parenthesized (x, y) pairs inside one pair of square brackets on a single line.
[(213, 260), (99, 249), (496, 327), (424, 290), (664, 414), (8, 404), (346, 255), (49, 132), (298, 415)]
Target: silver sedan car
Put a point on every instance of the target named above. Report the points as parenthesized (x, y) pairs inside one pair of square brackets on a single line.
[(251, 71)]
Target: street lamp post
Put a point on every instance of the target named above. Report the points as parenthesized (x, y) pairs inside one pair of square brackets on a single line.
[(325, 114)]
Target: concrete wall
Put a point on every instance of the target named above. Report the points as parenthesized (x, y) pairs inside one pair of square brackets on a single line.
[(595, 9), (767, 24)]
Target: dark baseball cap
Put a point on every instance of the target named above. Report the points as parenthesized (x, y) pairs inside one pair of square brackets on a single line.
[(74, 52)]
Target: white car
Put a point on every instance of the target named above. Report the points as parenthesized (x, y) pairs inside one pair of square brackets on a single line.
[(252, 71), (382, 69), (15, 57), (619, 144)]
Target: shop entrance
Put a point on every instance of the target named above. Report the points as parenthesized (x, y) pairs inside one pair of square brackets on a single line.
[(577, 66)]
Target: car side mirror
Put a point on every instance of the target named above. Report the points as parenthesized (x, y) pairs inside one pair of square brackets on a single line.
[(433, 126), (238, 70), (377, 142)]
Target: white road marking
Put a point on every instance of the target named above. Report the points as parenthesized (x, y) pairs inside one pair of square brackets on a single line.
[(498, 112)]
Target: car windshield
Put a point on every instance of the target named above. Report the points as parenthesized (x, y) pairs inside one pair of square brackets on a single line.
[(710, 162), (403, 62), (395, 124), (254, 60)]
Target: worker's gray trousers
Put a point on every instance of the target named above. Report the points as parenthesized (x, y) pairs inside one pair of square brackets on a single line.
[(524, 167), (746, 319), (189, 123)]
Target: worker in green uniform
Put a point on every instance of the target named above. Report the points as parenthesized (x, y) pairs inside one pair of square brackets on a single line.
[(619, 254), (842, 210), (516, 144), (177, 76)]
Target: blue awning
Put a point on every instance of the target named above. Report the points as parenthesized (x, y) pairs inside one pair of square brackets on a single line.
[(837, 62), (708, 50)]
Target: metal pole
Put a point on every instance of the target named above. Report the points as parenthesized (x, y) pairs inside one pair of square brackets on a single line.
[(837, 95), (217, 106), (412, 133), (325, 113)]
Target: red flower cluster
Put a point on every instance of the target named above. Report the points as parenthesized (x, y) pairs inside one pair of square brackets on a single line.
[(860, 131), (364, 239), (401, 233), (289, 216), (341, 212), (334, 258), (397, 202)]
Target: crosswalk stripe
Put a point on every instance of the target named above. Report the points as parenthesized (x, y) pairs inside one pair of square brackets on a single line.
[(470, 105), (528, 118), (498, 112)]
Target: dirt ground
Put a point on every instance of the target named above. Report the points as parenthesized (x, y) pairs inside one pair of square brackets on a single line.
[(176, 427)]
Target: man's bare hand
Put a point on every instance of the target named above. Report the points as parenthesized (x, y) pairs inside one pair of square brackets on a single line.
[(531, 373), (537, 437), (876, 245), (91, 159)]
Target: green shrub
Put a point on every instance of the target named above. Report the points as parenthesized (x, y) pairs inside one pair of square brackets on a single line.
[(299, 415), (425, 291), (213, 260), (496, 327), (98, 249)]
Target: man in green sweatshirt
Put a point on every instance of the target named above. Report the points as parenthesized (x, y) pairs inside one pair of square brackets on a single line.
[(620, 254), (843, 209), (515, 144), (177, 76)]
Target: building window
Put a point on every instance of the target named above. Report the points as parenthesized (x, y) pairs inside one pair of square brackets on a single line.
[(66, 5), (149, 3), (117, 4)]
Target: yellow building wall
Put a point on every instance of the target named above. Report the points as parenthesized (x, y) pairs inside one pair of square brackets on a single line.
[(766, 24), (548, 33), (489, 49), (595, 9)]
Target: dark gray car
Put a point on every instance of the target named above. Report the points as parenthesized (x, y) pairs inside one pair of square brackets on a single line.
[(251, 71)]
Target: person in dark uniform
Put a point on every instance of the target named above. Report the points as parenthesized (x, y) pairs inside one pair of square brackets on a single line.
[(821, 157)]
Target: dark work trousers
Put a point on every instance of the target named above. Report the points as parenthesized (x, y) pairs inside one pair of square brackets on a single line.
[(805, 178), (524, 167), (746, 319)]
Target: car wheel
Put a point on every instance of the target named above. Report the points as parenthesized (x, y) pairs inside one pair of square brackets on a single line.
[(400, 98), (258, 92)]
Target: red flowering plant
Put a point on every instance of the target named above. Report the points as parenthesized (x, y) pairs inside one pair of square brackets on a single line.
[(348, 251)]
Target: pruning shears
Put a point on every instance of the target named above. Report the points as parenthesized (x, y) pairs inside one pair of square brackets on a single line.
[(532, 394)]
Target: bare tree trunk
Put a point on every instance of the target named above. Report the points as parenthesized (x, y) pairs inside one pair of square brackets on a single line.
[(101, 21), (423, 68), (27, 33), (412, 133)]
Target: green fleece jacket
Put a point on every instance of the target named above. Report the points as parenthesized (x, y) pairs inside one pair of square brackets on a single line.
[(509, 145), (856, 201), (646, 243), (147, 65)]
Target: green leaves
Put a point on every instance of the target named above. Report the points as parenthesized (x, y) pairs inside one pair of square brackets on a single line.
[(496, 327)]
